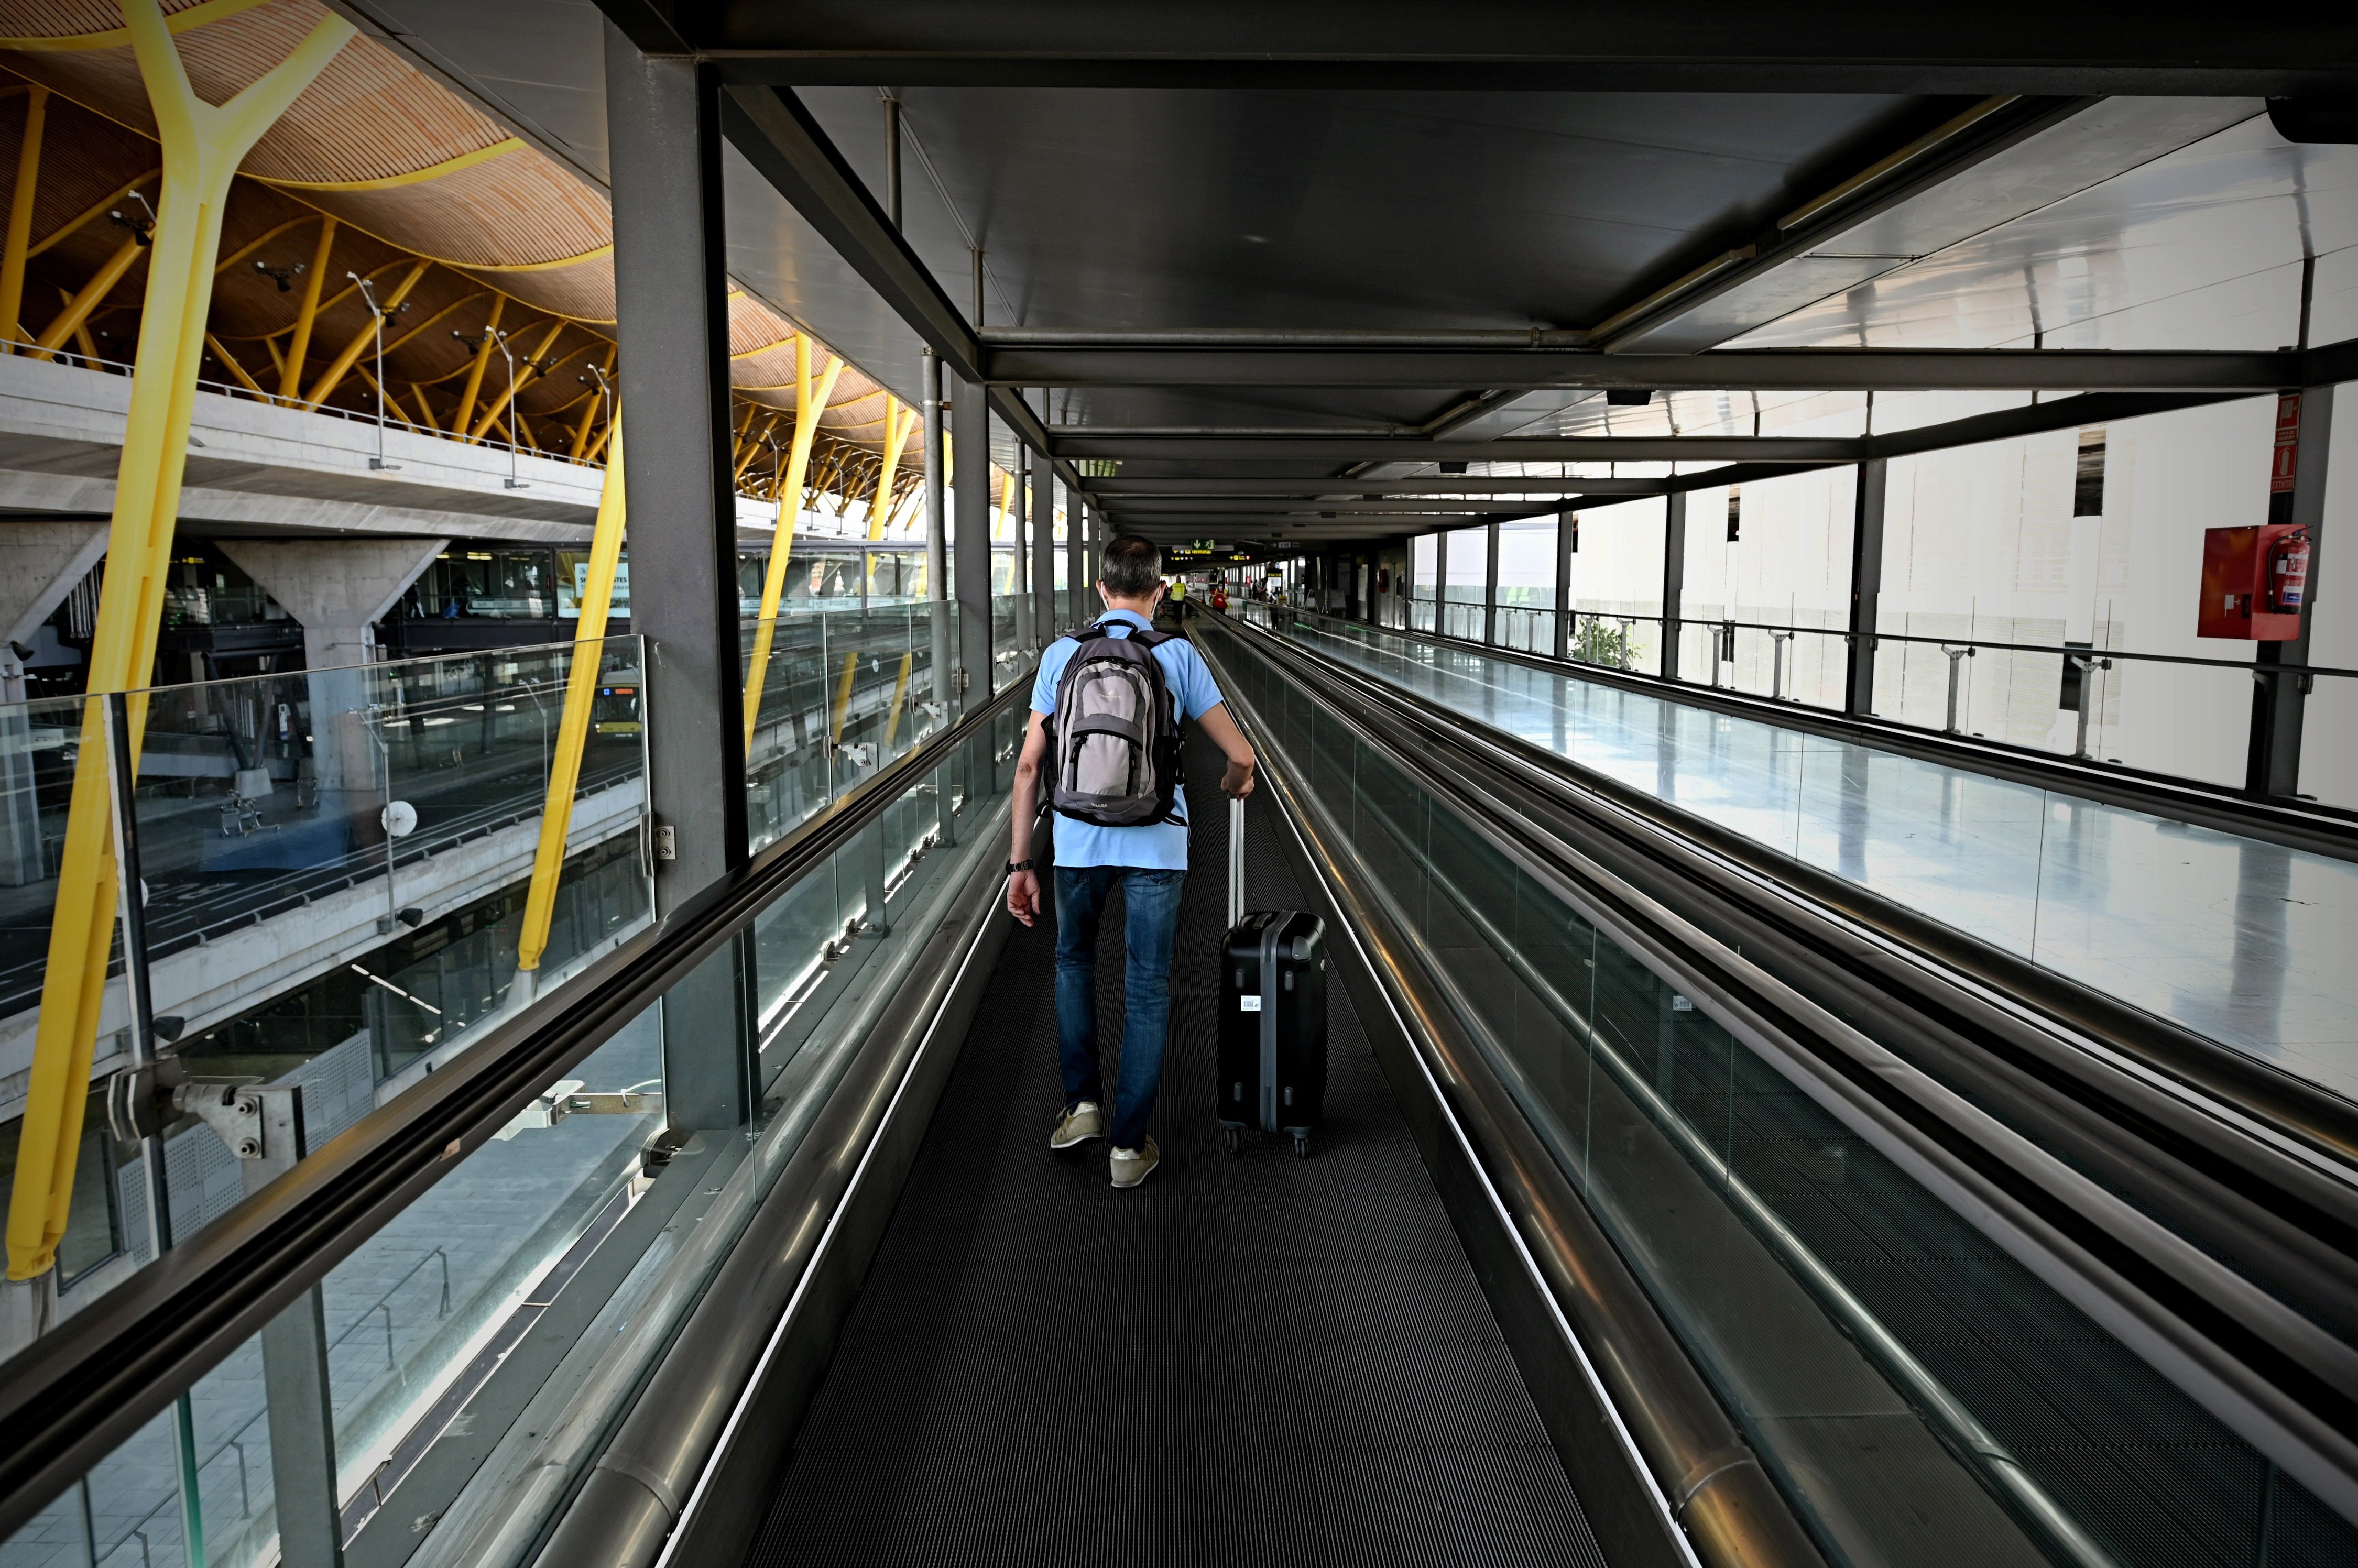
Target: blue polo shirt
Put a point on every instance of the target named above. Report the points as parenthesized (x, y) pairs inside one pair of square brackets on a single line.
[(1155, 846)]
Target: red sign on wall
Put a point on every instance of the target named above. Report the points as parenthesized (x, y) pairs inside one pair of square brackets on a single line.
[(2287, 454)]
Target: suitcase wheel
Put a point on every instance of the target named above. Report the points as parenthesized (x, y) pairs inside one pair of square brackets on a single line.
[(1231, 1137), (1301, 1146)]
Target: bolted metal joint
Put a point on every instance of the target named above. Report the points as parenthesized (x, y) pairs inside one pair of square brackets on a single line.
[(143, 1101)]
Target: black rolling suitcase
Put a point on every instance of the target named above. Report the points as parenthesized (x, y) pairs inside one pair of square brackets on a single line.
[(1272, 1045)]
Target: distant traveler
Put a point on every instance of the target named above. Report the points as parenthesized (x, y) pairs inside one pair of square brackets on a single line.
[(1120, 818)]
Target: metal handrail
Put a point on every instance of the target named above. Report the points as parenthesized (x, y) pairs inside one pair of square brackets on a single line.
[(1845, 634), (2280, 1376), (2258, 1090), (384, 1303), (2294, 822), (296, 405), (69, 1399), (1707, 1477)]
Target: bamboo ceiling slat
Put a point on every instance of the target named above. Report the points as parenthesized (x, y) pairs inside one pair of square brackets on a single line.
[(369, 116), (510, 212)]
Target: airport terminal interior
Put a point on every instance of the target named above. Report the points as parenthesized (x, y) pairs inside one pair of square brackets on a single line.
[(1773, 1002)]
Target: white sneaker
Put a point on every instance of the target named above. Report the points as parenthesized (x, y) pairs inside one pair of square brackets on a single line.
[(1081, 1121), (1129, 1166)]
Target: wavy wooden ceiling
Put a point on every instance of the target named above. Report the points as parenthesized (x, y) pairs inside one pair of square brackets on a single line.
[(408, 171)]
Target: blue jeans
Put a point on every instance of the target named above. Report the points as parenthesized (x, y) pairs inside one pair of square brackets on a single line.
[(1151, 926)]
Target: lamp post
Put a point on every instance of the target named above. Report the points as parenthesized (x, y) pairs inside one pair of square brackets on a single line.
[(499, 342), (377, 312)]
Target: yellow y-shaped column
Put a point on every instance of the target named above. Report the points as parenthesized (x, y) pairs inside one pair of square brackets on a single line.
[(809, 403), (202, 147), (573, 729), (899, 421)]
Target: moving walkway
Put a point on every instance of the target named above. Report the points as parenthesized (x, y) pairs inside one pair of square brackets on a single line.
[(1743, 1225)]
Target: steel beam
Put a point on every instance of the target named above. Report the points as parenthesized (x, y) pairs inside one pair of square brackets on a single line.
[(778, 136), (1180, 488), (1182, 528), (1771, 453), (672, 303), (1720, 369), (1516, 448), (1148, 510), (1499, 45), (1674, 582), (784, 145)]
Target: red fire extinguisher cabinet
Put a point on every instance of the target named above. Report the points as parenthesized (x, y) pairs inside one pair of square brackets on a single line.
[(2255, 581)]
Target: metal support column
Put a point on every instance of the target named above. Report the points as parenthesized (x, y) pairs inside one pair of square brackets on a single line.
[(295, 1384), (662, 124), (971, 419), (710, 1059), (1044, 549), (937, 559), (2278, 700), (1068, 604), (1567, 526), (1441, 582), (1866, 586), (1018, 569), (1491, 584), (1674, 580), (672, 298)]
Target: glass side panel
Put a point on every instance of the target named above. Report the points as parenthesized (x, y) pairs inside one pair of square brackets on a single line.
[(1906, 1381), (552, 1263), (844, 692), (335, 867), (2244, 941), (1526, 562)]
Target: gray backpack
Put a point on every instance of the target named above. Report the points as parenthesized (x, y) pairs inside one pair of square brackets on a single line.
[(1115, 733)]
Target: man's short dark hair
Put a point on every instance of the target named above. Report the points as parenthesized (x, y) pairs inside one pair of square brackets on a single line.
[(1132, 567)]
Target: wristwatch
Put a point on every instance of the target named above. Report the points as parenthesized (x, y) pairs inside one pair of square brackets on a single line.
[(1015, 866)]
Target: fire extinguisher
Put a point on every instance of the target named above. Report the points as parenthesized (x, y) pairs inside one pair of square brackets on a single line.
[(2289, 573)]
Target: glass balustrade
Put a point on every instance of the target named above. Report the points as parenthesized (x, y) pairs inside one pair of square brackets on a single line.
[(2239, 939), (1907, 1381), (446, 1324)]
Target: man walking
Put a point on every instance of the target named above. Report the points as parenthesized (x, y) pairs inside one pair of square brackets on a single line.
[(1148, 860)]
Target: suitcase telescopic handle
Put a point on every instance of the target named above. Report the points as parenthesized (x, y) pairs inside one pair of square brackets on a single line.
[(1236, 863)]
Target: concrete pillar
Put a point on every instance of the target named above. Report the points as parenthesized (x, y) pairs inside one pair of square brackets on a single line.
[(337, 589), (39, 564)]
